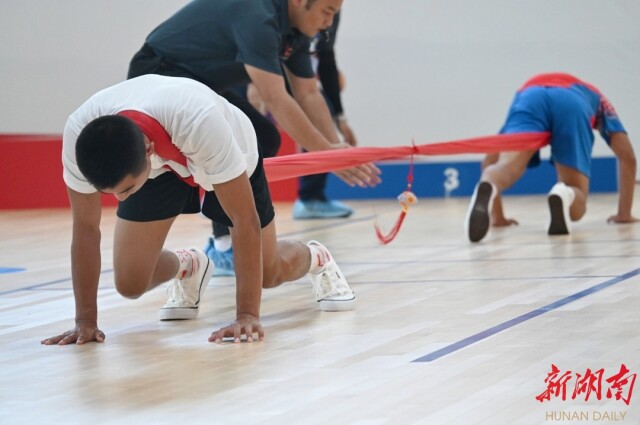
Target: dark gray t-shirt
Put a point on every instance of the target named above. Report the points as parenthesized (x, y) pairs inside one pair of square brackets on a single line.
[(214, 39)]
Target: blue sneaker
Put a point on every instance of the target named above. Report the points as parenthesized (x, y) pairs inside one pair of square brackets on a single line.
[(222, 260), (303, 210)]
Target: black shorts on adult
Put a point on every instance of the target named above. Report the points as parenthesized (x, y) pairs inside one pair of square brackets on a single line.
[(167, 196)]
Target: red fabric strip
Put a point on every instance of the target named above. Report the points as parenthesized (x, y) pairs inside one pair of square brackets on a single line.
[(162, 144), (296, 165), (557, 79)]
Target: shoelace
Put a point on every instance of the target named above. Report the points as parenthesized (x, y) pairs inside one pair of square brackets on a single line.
[(330, 286), (175, 292)]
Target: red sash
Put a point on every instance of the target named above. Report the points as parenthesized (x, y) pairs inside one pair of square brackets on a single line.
[(161, 141)]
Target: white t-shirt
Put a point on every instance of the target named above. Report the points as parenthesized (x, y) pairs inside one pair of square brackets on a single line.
[(217, 139)]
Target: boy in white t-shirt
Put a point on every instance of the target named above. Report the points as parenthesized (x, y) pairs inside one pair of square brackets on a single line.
[(154, 142)]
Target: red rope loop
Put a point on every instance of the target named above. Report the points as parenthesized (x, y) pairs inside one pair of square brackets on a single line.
[(406, 199)]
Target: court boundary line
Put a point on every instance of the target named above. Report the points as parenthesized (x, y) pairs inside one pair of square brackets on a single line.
[(473, 339)]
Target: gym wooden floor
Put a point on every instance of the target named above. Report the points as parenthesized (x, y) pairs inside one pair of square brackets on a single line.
[(445, 331)]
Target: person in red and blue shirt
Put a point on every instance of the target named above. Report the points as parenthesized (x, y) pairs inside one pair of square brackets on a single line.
[(569, 109)]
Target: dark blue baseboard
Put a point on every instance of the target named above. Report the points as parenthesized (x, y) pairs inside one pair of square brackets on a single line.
[(433, 179)]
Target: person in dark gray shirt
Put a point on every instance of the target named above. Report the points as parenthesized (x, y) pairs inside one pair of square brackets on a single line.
[(312, 202), (225, 43)]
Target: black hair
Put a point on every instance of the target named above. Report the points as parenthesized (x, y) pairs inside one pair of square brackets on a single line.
[(109, 149)]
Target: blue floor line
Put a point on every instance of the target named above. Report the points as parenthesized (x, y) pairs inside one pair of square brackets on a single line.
[(11, 269), (40, 285), (520, 319)]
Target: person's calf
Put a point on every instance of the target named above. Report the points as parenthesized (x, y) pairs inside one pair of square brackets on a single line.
[(579, 205)]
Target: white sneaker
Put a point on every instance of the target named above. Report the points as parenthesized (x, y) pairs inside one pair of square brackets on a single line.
[(330, 288), (560, 199), (478, 218), (184, 295)]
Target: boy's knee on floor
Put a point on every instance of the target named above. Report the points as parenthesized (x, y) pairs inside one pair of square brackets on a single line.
[(266, 284), (270, 280), (129, 290)]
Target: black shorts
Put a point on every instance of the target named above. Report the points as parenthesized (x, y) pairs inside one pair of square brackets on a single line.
[(168, 196)]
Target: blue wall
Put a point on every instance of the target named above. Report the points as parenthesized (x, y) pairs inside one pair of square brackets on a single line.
[(433, 180)]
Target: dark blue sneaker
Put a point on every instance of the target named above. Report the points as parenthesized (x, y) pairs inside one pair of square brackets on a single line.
[(222, 260), (303, 210)]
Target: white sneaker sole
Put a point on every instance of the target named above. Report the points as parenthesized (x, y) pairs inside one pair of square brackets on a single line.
[(178, 313), (338, 305)]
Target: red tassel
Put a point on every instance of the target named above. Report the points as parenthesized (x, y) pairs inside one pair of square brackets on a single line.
[(406, 199), (385, 239)]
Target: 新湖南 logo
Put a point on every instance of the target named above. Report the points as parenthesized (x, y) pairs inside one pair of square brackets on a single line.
[(560, 384)]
